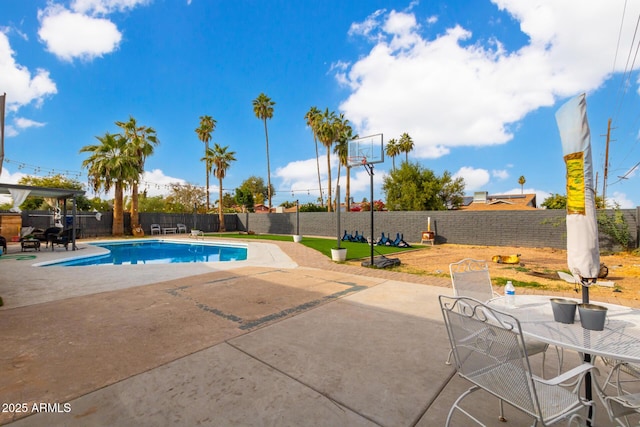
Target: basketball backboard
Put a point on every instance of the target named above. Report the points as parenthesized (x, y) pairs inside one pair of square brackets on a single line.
[(366, 150)]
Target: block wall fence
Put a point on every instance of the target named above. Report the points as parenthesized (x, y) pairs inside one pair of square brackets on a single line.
[(536, 228)]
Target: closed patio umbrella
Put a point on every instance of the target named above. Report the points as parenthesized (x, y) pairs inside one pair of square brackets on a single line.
[(583, 252)]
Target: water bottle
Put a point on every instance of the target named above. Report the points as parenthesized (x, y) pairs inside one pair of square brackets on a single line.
[(510, 294)]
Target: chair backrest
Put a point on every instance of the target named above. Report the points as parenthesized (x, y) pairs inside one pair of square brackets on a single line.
[(155, 227), (181, 228), (471, 278), (488, 350)]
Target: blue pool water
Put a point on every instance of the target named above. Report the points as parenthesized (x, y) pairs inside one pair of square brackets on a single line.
[(158, 252)]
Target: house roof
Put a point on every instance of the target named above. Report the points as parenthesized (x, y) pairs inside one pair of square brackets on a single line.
[(501, 202)]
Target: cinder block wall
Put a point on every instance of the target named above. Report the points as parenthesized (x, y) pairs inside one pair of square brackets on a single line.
[(539, 228)]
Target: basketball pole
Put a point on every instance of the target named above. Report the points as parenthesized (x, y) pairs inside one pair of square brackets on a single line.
[(369, 168)]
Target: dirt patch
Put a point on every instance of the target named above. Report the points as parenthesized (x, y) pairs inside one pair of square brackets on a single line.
[(536, 271)]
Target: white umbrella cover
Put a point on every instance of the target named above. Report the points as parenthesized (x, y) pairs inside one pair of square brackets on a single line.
[(583, 252)]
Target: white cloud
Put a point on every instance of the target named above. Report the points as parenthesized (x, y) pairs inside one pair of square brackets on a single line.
[(474, 179), (450, 90), (9, 178), (70, 35), (26, 87), (23, 123), (103, 7), (366, 27), (500, 174), (157, 183), (621, 200)]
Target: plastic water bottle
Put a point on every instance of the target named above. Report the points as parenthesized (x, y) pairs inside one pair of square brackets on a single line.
[(510, 293)]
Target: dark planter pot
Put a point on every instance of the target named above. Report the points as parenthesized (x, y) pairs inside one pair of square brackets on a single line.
[(592, 316), (564, 310)]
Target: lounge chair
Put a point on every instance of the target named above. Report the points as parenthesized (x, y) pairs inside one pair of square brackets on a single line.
[(347, 237), (44, 235), (384, 241), (63, 238), (399, 242), (155, 229), (359, 238)]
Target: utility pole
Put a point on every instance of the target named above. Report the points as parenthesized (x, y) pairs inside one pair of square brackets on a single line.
[(606, 165)]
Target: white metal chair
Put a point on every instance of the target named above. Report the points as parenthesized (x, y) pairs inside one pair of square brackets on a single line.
[(181, 228), (471, 278), (624, 400), (155, 229), (489, 351)]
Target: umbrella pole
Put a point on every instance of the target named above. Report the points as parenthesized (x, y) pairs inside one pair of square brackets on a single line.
[(588, 391)]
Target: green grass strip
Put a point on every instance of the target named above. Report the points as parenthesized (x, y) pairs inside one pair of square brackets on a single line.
[(324, 245)]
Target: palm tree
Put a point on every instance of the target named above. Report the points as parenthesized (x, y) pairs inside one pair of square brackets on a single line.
[(392, 150), (521, 181), (141, 141), (263, 109), (313, 118), (406, 145), (110, 163), (344, 134), (327, 136), (204, 131), (221, 159)]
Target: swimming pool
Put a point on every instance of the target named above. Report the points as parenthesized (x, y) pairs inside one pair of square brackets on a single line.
[(158, 252)]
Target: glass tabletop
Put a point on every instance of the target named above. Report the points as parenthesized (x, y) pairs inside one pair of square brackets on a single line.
[(620, 338)]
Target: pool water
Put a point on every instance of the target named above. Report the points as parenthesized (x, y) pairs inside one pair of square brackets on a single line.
[(158, 252)]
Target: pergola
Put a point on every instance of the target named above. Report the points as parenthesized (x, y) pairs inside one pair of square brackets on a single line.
[(21, 192)]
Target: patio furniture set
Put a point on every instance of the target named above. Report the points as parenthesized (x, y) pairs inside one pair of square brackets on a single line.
[(492, 340)]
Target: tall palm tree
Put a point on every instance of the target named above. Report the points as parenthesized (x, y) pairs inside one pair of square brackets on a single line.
[(327, 136), (221, 159), (521, 181), (392, 150), (344, 134), (406, 145), (141, 141), (110, 164), (204, 131), (313, 118), (263, 109)]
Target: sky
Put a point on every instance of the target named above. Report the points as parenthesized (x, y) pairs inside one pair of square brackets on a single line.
[(475, 83)]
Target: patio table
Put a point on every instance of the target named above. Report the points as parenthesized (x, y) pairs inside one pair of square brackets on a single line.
[(620, 338), (169, 230)]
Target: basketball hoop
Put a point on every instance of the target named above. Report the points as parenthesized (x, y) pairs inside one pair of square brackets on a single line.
[(356, 161)]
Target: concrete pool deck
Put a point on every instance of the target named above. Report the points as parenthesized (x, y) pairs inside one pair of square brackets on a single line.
[(294, 340)]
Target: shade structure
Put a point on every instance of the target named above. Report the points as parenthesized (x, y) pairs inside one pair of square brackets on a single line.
[(583, 252)]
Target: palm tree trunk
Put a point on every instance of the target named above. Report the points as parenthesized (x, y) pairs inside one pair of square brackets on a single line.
[(266, 135), (220, 214), (315, 140), (208, 168), (118, 217), (135, 219), (329, 177)]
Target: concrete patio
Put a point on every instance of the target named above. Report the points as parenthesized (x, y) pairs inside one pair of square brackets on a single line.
[(287, 339)]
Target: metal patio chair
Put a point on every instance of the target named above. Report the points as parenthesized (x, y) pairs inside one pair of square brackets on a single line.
[(155, 229), (471, 278), (182, 228), (489, 351), (624, 400)]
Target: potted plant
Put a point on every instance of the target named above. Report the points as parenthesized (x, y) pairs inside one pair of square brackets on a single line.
[(297, 238), (339, 254)]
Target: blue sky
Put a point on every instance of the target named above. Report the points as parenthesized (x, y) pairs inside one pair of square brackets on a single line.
[(476, 83)]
